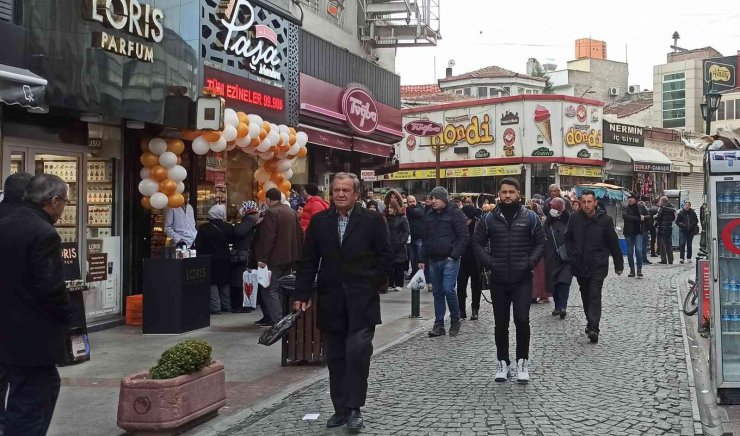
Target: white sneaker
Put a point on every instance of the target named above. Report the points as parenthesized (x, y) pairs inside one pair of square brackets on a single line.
[(502, 373), (522, 370)]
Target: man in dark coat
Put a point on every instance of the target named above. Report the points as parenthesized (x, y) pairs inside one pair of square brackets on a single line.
[(648, 226), (469, 268), (445, 240), (632, 231), (590, 239), (34, 306), (415, 216), (278, 248), (349, 248), (517, 242), (664, 223), (13, 191), (688, 227)]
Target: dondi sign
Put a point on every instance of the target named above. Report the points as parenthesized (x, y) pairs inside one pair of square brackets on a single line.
[(360, 110)]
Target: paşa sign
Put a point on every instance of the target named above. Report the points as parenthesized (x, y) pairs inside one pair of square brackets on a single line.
[(128, 16)]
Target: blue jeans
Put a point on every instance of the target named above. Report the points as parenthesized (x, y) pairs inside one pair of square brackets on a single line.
[(685, 242), (560, 294), (414, 249), (634, 250), (444, 281)]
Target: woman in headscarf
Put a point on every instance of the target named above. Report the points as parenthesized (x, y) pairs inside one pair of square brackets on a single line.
[(398, 228), (213, 239), (242, 248), (556, 260)]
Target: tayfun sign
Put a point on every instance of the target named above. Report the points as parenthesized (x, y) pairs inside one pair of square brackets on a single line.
[(360, 109), (257, 43), (128, 16)]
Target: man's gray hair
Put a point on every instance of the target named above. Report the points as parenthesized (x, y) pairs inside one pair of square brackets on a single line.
[(43, 187), (554, 185), (663, 200), (351, 176)]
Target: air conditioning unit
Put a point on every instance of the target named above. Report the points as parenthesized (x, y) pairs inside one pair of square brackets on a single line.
[(613, 91), (633, 89)]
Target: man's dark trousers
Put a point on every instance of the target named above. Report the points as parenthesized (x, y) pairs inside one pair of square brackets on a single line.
[(32, 396), (348, 358), (666, 240), (591, 297), (504, 296)]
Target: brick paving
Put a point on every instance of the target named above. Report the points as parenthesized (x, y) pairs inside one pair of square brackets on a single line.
[(634, 381)]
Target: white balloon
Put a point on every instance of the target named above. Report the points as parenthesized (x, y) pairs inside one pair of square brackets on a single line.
[(243, 142), (254, 130), (288, 174), (284, 129), (229, 133), (148, 187), (286, 138), (261, 175), (219, 145), (269, 185), (201, 146), (265, 145), (158, 200), (274, 128), (231, 119), (145, 172), (284, 165), (256, 119), (267, 155), (177, 173), (294, 149), (181, 186), (168, 159), (273, 137), (157, 146), (301, 137)]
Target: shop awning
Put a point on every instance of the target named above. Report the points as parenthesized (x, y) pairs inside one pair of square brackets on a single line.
[(644, 159), (22, 88)]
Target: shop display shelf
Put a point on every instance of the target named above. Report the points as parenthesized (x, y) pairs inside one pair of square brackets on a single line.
[(99, 225)]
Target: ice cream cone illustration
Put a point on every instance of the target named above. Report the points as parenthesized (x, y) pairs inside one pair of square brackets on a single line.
[(542, 120)]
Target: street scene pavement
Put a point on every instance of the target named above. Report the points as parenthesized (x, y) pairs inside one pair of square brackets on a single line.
[(634, 381)]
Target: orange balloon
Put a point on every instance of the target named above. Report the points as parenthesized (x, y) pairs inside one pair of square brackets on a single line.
[(292, 139), (263, 133), (243, 118), (278, 178), (212, 136), (255, 142), (144, 144), (261, 195), (175, 200), (145, 203), (291, 131), (285, 149), (285, 186), (266, 125), (167, 186), (149, 159), (242, 130), (189, 135), (175, 145), (158, 173), (302, 152), (271, 165)]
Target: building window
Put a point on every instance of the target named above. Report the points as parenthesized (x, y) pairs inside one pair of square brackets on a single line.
[(507, 90), (312, 4), (520, 91), (459, 91), (730, 110), (466, 91), (529, 91), (721, 111), (674, 100), (483, 92), (536, 91), (737, 109)]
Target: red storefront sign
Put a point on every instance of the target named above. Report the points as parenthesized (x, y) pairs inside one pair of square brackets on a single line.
[(242, 94), (704, 290), (360, 110)]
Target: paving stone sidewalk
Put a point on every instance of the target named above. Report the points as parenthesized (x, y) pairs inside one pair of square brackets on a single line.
[(634, 381)]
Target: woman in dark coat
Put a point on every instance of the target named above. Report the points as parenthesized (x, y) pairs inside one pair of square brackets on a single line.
[(469, 268), (557, 269), (398, 227), (242, 248), (213, 239)]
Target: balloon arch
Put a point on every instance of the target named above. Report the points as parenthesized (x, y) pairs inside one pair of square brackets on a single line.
[(274, 146)]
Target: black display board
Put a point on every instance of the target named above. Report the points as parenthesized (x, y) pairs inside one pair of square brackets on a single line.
[(176, 295)]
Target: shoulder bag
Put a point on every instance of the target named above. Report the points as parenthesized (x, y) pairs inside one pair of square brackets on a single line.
[(560, 250)]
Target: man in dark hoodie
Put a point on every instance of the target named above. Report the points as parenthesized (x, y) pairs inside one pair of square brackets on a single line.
[(632, 231), (517, 240), (445, 239), (590, 239), (688, 227), (664, 222), (13, 191)]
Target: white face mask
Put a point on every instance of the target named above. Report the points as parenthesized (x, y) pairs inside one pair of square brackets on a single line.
[(554, 213)]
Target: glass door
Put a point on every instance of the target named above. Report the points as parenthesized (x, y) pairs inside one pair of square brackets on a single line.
[(67, 167)]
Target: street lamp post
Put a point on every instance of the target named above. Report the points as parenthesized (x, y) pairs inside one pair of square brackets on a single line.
[(711, 103)]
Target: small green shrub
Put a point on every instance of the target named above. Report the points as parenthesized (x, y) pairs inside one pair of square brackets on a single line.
[(184, 358)]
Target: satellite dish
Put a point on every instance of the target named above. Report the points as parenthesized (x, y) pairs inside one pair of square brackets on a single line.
[(451, 63)]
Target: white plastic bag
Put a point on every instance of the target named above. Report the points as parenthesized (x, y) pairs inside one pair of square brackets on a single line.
[(249, 289), (417, 282), (264, 276)]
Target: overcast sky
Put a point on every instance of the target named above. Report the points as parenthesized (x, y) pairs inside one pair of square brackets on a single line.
[(479, 33)]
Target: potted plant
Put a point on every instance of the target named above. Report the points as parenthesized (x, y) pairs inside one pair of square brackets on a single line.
[(183, 386)]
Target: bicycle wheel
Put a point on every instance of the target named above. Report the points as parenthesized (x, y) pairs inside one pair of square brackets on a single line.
[(691, 302)]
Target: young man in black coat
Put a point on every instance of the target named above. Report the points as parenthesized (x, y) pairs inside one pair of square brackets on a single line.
[(633, 221), (517, 242), (34, 306), (688, 227), (590, 239), (348, 246), (13, 191), (664, 223)]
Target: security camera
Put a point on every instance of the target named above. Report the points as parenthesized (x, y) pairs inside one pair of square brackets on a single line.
[(376, 58)]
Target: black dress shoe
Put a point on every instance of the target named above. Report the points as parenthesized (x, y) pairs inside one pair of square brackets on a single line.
[(354, 420), (474, 316), (336, 420)]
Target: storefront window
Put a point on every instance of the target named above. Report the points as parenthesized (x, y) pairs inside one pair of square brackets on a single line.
[(542, 178), (211, 186), (67, 169)]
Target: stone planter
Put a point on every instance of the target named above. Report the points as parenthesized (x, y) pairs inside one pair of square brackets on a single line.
[(147, 405)]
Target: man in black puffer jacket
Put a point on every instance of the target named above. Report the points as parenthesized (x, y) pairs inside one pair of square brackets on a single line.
[(664, 223), (445, 239), (632, 231), (590, 239), (517, 242), (415, 216)]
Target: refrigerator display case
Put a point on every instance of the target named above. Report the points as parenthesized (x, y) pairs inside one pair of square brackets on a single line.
[(723, 200)]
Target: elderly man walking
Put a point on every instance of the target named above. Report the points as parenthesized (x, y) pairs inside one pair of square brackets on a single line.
[(34, 306), (348, 248)]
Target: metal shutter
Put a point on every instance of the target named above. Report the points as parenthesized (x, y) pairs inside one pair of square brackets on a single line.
[(6, 10), (693, 185)]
